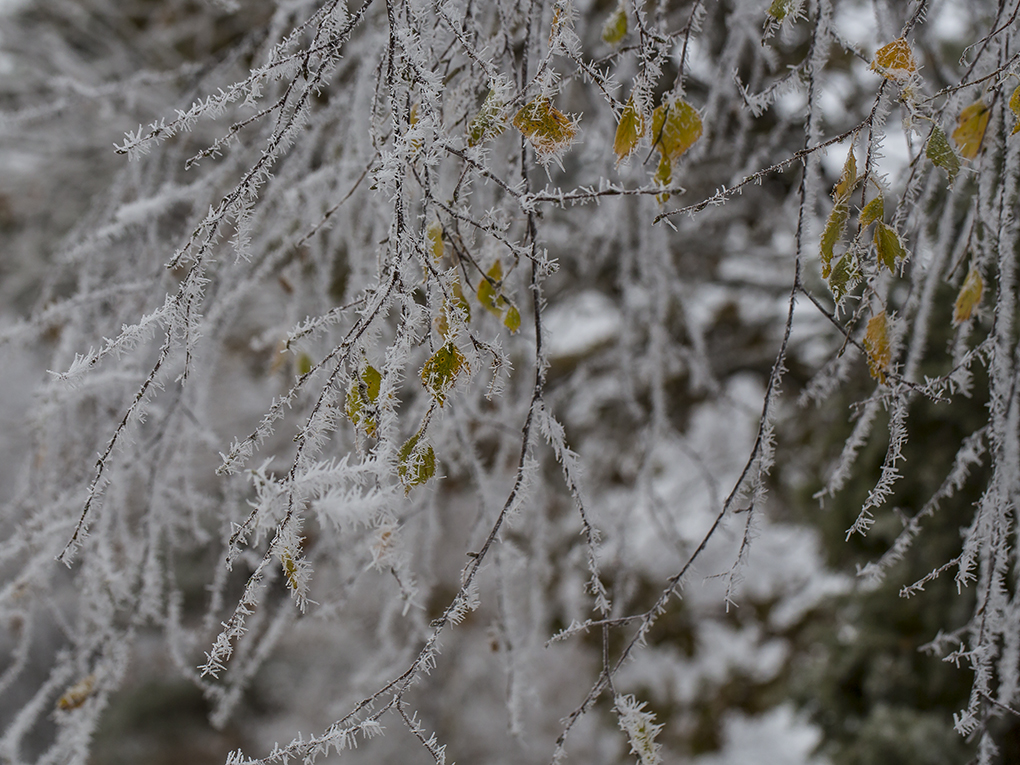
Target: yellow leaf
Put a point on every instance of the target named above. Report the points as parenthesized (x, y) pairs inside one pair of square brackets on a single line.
[(970, 129), (416, 463), (547, 128), (489, 290), (441, 370), (872, 211), (675, 128), (434, 232), (887, 243), (290, 570), (833, 232), (969, 297), (489, 122), (615, 28), (941, 153), (512, 321), (848, 180), (76, 695), (876, 343), (629, 131), (895, 61), (1014, 105)]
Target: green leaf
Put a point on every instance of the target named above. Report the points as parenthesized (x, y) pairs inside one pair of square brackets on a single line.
[(629, 131), (489, 122), (780, 9), (416, 463), (304, 364), (675, 128), (441, 370), (835, 226), (969, 297), (547, 128), (844, 277), (941, 153), (615, 28), (872, 211), (887, 242)]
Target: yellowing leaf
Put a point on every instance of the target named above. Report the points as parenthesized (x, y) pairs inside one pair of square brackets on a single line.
[(872, 211), (895, 61), (969, 297), (1014, 105), (547, 128), (629, 131), (941, 153), (833, 232), (76, 695), (489, 290), (290, 570), (434, 232), (615, 28), (416, 463), (970, 129), (304, 364), (440, 372), (512, 320), (361, 398), (887, 243), (489, 122), (876, 343), (675, 128), (848, 180)]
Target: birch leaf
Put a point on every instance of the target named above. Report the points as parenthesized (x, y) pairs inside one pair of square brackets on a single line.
[(489, 122), (848, 180), (872, 211), (780, 9), (970, 129), (844, 276), (895, 61), (547, 128), (441, 370), (969, 297), (629, 131), (835, 226), (1014, 105), (941, 153), (887, 243), (512, 320), (416, 464), (361, 397), (615, 28), (876, 343), (434, 232), (489, 290), (675, 128), (76, 695)]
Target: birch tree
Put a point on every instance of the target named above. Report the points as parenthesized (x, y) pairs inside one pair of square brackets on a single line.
[(445, 349)]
